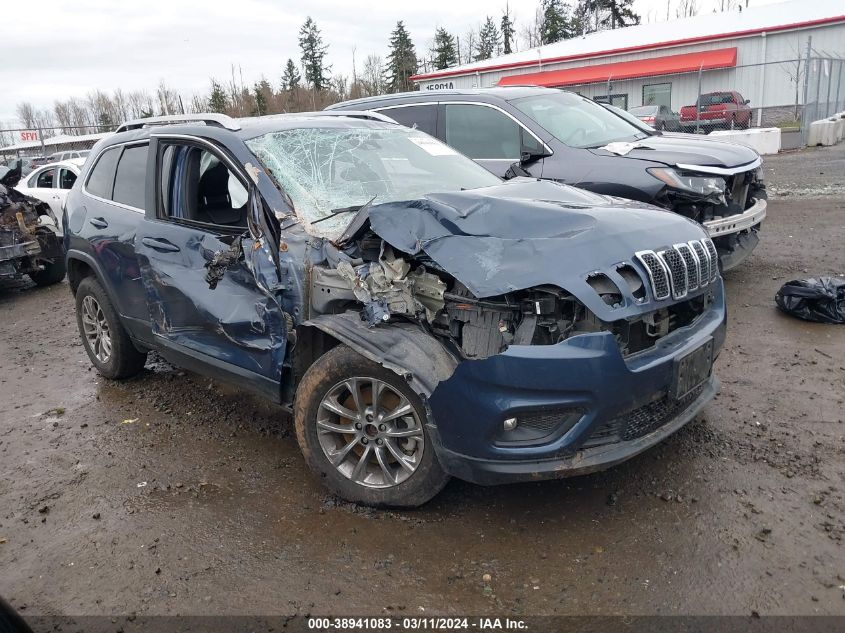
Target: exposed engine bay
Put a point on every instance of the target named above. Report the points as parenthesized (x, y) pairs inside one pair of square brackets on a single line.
[(386, 285), (29, 240)]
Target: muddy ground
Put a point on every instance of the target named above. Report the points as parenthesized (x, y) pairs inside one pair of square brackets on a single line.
[(171, 494)]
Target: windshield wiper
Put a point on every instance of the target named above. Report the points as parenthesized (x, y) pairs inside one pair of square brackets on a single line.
[(355, 208)]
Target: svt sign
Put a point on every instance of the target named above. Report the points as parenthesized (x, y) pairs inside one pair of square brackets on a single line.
[(28, 135)]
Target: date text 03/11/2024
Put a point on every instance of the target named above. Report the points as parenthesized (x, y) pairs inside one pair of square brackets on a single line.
[(415, 624)]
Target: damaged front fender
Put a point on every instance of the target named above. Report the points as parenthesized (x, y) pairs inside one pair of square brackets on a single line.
[(403, 348)]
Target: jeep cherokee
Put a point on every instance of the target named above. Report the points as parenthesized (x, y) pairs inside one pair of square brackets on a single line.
[(420, 317)]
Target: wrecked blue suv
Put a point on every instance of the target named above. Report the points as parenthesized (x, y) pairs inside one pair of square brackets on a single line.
[(420, 317)]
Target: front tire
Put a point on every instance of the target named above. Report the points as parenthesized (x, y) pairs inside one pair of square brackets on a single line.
[(52, 273), (103, 336), (362, 429)]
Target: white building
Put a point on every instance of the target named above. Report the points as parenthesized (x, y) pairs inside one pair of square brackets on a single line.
[(755, 52)]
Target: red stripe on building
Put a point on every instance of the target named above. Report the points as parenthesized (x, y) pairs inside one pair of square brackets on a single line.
[(631, 49), (682, 63)]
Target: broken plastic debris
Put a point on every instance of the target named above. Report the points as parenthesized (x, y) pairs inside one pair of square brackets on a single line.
[(142, 484), (130, 421)]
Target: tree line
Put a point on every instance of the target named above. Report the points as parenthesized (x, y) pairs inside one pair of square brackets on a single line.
[(310, 84)]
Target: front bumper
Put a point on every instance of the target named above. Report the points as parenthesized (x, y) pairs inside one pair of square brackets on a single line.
[(13, 255), (739, 222), (585, 373)]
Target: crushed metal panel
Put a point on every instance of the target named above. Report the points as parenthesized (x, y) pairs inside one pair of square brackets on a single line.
[(403, 348), (526, 233)]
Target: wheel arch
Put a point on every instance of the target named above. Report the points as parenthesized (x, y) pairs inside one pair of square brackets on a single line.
[(81, 265), (403, 348)]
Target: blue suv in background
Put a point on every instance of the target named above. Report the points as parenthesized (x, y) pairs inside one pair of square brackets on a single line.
[(420, 317)]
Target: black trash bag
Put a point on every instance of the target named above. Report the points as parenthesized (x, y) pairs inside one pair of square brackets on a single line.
[(821, 299)]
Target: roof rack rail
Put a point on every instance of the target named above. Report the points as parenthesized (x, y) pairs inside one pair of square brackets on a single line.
[(355, 114), (210, 118)]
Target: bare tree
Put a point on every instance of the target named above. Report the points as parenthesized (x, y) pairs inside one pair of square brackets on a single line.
[(140, 104), (26, 114), (372, 78), (687, 8), (530, 33), (168, 99)]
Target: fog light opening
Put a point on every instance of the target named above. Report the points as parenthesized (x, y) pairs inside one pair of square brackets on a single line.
[(510, 424)]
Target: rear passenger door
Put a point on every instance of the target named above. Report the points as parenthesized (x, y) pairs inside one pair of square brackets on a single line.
[(207, 310), (107, 221), (490, 137)]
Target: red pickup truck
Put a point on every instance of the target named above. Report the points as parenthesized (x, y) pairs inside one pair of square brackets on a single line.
[(717, 109)]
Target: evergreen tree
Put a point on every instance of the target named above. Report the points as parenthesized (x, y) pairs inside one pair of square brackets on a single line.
[(105, 122), (401, 60), (217, 100), (291, 76), (556, 25), (620, 13), (260, 91), (443, 53), (599, 15), (508, 31), (313, 55), (488, 40)]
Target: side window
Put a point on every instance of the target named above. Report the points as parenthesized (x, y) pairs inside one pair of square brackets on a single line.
[(130, 182), (101, 179), (196, 185), (66, 179), (482, 132), (45, 179), (422, 117)]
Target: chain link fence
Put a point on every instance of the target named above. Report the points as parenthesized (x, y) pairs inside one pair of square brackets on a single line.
[(824, 89), (788, 93), (49, 139)]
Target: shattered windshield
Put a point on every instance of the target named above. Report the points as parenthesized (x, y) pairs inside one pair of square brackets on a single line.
[(329, 172), (577, 121)]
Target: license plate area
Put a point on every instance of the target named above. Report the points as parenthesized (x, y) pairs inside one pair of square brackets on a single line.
[(692, 369)]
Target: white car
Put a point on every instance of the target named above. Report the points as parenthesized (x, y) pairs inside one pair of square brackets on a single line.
[(50, 183), (61, 156)]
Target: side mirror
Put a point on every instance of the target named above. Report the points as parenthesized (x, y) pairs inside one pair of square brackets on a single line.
[(747, 101), (531, 154)]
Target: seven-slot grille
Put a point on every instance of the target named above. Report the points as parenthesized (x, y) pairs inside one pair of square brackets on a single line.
[(680, 269)]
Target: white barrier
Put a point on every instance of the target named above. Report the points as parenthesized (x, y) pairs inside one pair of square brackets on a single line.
[(825, 132), (763, 140)]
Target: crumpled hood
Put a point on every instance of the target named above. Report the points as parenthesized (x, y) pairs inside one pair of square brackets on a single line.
[(526, 233), (674, 150)]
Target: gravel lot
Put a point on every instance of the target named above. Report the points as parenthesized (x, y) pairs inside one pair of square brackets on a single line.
[(171, 494)]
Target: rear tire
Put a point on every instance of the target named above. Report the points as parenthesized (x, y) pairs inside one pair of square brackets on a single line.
[(362, 429), (53, 273), (103, 336)]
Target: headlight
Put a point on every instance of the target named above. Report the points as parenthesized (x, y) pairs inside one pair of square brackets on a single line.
[(703, 185)]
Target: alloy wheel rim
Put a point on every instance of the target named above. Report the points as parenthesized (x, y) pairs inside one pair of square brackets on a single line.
[(96, 329), (370, 433)]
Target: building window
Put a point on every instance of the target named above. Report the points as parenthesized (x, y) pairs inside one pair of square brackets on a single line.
[(619, 100), (658, 94)]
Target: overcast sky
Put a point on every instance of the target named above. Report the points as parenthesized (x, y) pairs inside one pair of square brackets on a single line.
[(68, 48)]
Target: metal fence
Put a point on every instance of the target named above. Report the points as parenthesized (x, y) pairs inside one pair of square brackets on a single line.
[(50, 139), (824, 92), (788, 93)]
